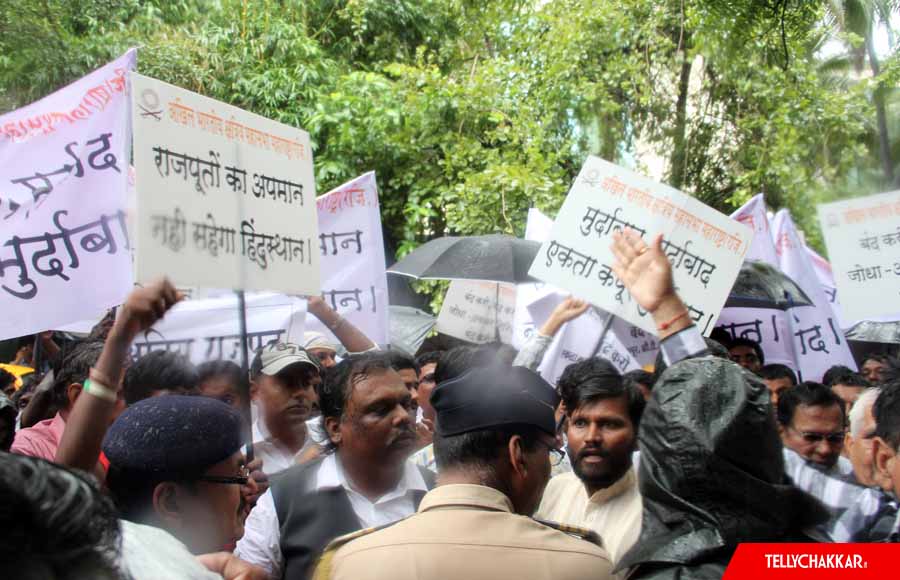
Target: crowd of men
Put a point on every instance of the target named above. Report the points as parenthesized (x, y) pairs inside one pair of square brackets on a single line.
[(347, 461)]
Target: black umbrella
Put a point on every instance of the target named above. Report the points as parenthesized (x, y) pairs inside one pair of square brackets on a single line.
[(761, 285), (494, 258), (409, 327), (872, 331)]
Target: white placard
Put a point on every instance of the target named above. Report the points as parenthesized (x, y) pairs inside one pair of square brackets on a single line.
[(863, 240), (354, 281), (226, 198), (209, 328), (475, 311), (705, 247), (64, 245)]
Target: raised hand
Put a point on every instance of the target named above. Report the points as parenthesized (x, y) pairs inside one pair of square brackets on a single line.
[(145, 306), (566, 311), (647, 275)]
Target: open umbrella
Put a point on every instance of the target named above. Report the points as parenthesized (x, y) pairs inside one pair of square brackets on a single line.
[(874, 331), (409, 327), (493, 258), (761, 285)]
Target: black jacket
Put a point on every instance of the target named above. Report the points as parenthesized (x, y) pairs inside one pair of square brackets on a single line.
[(712, 474), (308, 519)]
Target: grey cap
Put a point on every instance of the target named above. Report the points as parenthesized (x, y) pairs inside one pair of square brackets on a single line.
[(277, 356)]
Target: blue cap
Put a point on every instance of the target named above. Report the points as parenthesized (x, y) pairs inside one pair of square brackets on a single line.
[(173, 436), (494, 396)]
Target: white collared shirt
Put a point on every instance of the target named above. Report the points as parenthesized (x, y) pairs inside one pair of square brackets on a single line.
[(275, 456), (260, 545), (614, 512)]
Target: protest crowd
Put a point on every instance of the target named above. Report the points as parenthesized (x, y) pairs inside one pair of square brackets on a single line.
[(649, 416)]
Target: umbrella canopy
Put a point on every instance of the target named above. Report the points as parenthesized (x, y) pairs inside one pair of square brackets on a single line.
[(409, 327), (761, 285), (872, 331), (493, 258)]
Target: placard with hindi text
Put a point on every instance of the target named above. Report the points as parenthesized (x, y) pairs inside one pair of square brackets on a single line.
[(863, 240), (705, 247), (225, 198)]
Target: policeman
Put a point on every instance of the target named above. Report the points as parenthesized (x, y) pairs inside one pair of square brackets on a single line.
[(494, 434)]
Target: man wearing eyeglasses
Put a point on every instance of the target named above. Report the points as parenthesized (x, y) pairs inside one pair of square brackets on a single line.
[(601, 493), (176, 464), (811, 422), (494, 434)]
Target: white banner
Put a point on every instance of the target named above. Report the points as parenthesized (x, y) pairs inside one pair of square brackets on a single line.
[(209, 329), (64, 247), (863, 240), (225, 197), (768, 327), (537, 229), (478, 312), (578, 339), (354, 281), (705, 247), (819, 342)]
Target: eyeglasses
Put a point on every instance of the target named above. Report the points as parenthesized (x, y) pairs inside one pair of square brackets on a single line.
[(812, 437), (229, 480), (557, 455)]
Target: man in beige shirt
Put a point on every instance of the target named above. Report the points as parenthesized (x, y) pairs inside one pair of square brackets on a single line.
[(494, 431), (601, 492)]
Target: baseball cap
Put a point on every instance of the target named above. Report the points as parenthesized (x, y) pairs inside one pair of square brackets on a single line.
[(277, 356)]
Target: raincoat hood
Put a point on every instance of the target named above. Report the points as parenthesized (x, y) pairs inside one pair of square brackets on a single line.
[(712, 472)]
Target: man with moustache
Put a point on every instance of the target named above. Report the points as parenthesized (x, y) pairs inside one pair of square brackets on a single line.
[(283, 381), (601, 493), (363, 480)]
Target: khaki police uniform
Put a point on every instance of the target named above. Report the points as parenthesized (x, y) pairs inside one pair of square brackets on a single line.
[(467, 532)]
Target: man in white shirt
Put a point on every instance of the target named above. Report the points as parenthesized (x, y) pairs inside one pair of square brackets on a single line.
[(283, 380), (601, 492), (363, 480)]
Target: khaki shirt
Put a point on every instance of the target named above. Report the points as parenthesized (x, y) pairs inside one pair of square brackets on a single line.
[(467, 532), (614, 513)]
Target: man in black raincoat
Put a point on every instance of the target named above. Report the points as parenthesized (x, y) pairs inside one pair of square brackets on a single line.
[(711, 472)]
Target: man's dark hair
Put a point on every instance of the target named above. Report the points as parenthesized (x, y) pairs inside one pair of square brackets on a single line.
[(454, 363), (480, 449), (835, 371), (638, 377), (850, 379), (757, 348), (56, 522), (891, 373), (776, 371), (882, 358), (337, 386), (807, 393), (73, 366), (402, 361), (886, 411), (223, 368), (220, 368), (6, 379), (429, 358), (158, 370), (595, 379)]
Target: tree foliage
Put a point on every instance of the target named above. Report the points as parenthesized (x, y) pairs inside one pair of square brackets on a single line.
[(471, 112)]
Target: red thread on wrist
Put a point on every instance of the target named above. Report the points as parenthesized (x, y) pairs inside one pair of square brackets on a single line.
[(667, 325)]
